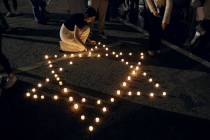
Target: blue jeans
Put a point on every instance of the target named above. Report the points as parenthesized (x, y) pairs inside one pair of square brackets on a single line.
[(39, 9)]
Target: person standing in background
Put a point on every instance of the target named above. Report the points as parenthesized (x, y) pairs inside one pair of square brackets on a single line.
[(39, 10), (76, 6), (10, 13), (11, 78), (101, 7), (159, 16)]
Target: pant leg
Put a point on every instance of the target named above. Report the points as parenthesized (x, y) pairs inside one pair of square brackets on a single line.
[(3, 60), (14, 2), (7, 6), (155, 32), (95, 4), (103, 5), (38, 14), (3, 22)]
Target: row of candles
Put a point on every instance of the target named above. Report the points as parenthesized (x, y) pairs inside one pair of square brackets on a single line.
[(119, 92)]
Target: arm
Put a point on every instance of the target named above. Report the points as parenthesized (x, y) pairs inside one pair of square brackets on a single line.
[(152, 7), (167, 14), (77, 37)]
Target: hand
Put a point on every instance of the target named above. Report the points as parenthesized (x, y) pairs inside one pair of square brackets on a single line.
[(155, 13), (164, 25), (93, 42)]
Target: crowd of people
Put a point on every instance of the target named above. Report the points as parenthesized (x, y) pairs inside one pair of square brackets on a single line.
[(75, 31)]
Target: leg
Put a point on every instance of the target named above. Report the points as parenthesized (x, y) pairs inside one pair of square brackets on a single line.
[(103, 5), (38, 14), (3, 22), (14, 4), (155, 32), (6, 4), (95, 4), (3, 60)]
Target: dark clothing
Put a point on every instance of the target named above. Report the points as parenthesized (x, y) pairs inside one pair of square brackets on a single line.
[(3, 23), (3, 60), (39, 7), (155, 29), (75, 19), (7, 5)]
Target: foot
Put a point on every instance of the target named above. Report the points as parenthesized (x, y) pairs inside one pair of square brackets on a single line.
[(10, 81)]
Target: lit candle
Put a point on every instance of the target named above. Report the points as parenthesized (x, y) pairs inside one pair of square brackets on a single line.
[(91, 128), (157, 85), (137, 68), (121, 53), (76, 106), (56, 56), (28, 94), (164, 93), (126, 63), (107, 54), (60, 69), (46, 57), (130, 54), (104, 109), (60, 83), (138, 93), (39, 85), (65, 55), (122, 60), (144, 74), (139, 63), (50, 66), (55, 97), (151, 94), (72, 55), (113, 53), (107, 49), (65, 90), (131, 66), (52, 71), (71, 99), (49, 62), (104, 46), (35, 96), (82, 117), (83, 100), (97, 119), (118, 92), (124, 84), (33, 90), (42, 97), (70, 62), (98, 55), (129, 93), (47, 80), (150, 80), (129, 78), (98, 102), (133, 72), (112, 100)]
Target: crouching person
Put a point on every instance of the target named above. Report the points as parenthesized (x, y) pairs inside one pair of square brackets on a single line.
[(75, 30)]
